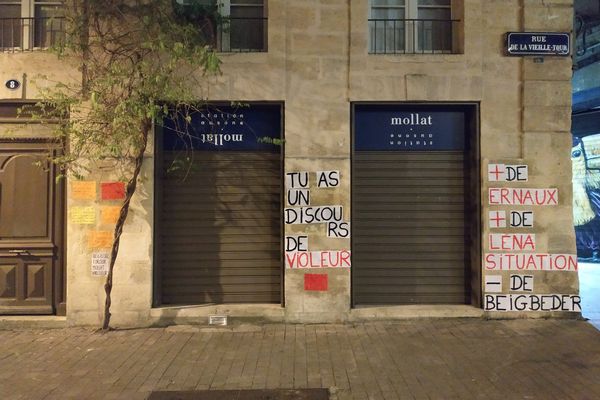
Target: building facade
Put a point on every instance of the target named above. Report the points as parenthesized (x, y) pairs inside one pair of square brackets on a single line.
[(422, 172)]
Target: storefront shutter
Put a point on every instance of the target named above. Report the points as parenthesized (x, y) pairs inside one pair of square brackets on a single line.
[(409, 241), (219, 230)]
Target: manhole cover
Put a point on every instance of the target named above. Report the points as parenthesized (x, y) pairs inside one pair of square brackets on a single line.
[(266, 394)]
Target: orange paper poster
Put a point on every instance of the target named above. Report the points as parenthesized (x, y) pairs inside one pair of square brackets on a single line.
[(83, 190), (100, 239), (83, 215), (110, 214)]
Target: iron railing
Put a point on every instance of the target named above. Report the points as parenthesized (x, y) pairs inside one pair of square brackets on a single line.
[(235, 34), (26, 34), (411, 36)]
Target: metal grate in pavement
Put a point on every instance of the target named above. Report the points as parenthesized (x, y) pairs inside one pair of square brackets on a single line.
[(263, 394)]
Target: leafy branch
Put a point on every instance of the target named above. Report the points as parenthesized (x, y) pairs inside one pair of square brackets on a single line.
[(141, 62)]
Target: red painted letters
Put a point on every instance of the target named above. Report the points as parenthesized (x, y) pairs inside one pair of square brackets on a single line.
[(318, 259)]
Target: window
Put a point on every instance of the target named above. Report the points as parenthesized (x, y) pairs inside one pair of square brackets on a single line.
[(410, 26), (29, 24), (244, 26), (10, 24), (238, 26)]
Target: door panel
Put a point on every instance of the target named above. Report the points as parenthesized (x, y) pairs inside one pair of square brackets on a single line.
[(36, 276), (8, 281), (25, 284), (24, 202), (31, 279)]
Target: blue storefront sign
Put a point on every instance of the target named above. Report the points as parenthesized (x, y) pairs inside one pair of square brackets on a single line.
[(248, 127), (538, 44), (398, 128)]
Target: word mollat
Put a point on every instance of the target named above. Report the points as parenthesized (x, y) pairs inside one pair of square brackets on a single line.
[(532, 302), (523, 197), (530, 262), (412, 119), (318, 259)]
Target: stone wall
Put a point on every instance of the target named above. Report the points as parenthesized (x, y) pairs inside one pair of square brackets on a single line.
[(317, 64)]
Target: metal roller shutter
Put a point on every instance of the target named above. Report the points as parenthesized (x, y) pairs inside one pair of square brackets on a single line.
[(219, 232), (408, 228), (409, 241)]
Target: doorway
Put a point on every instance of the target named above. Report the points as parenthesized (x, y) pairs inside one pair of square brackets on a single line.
[(415, 208), (32, 279), (218, 201)]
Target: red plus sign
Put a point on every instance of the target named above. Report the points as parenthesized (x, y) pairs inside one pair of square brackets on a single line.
[(496, 172), (497, 219)]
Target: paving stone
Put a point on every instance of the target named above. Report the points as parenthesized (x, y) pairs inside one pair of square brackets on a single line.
[(256, 394), (409, 359)]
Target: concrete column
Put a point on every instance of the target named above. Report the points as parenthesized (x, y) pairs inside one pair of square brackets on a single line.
[(317, 139)]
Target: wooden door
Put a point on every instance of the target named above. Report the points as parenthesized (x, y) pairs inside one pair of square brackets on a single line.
[(31, 204)]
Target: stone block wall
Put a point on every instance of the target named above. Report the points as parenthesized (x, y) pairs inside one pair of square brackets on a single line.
[(317, 63)]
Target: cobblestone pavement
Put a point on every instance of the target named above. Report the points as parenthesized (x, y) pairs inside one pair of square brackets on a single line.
[(415, 359)]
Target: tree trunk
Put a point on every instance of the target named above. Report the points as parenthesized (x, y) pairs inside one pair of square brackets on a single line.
[(130, 191)]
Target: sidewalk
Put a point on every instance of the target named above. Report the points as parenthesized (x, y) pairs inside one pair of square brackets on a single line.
[(589, 289), (416, 359)]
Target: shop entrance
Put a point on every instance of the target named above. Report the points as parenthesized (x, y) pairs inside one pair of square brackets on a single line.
[(415, 230), (218, 208)]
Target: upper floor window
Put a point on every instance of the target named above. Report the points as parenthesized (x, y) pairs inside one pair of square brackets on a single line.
[(232, 25), (30, 24), (411, 26)]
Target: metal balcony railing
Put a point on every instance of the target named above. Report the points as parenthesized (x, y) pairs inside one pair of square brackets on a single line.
[(411, 36), (235, 34), (26, 34)]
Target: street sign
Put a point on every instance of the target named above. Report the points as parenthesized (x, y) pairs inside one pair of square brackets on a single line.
[(538, 44)]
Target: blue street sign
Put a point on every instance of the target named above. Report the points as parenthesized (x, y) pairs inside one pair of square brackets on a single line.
[(538, 44)]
